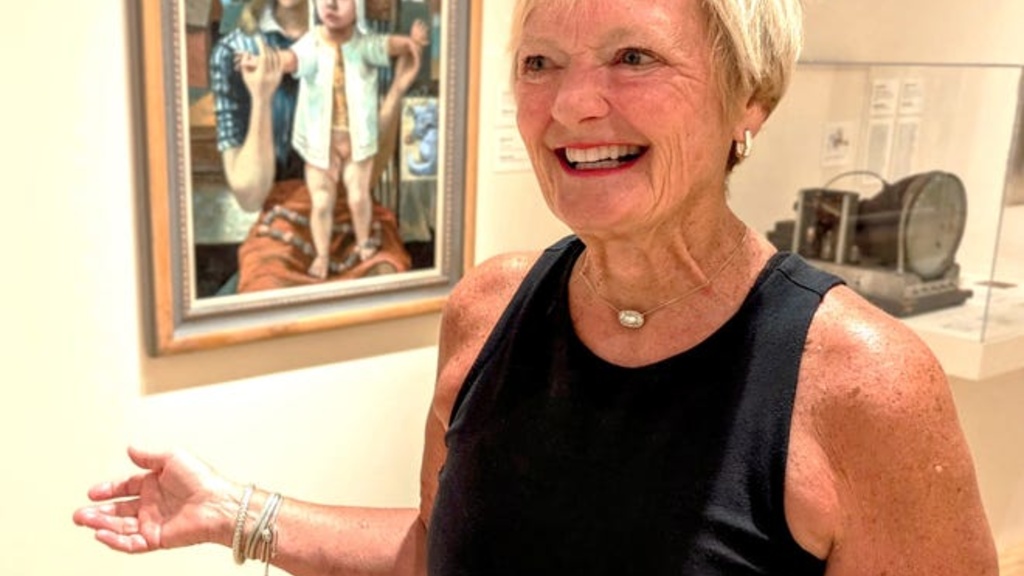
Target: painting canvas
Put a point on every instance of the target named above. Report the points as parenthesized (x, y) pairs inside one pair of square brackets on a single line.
[(291, 185)]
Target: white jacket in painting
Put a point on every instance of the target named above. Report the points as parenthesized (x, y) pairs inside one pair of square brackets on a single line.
[(363, 54)]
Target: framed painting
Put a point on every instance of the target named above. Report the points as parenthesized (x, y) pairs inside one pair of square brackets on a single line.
[(302, 170)]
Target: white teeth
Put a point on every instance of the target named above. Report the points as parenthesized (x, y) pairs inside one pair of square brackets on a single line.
[(599, 153)]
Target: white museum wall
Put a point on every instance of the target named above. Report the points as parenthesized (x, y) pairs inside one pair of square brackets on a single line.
[(340, 413)]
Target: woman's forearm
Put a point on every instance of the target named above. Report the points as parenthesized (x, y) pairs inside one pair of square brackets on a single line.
[(320, 540), (249, 169)]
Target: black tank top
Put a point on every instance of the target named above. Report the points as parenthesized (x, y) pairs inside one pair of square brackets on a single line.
[(562, 463)]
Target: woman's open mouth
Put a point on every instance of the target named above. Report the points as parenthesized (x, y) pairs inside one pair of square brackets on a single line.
[(600, 157)]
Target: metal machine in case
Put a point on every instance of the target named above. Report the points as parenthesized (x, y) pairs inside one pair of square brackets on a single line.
[(906, 180), (897, 248)]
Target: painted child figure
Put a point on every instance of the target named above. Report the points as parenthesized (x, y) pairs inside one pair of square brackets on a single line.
[(335, 128)]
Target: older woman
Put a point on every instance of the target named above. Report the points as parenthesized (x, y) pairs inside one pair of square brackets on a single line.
[(661, 393)]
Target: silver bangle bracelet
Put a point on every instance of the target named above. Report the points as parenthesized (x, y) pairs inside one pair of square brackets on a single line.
[(263, 532), (243, 512)]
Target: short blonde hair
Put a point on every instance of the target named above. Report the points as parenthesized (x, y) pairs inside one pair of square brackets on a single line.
[(754, 44)]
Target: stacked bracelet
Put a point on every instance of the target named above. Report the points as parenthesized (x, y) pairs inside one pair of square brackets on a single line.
[(264, 534), (243, 511), (261, 543)]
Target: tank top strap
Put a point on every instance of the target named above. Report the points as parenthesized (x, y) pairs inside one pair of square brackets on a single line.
[(543, 271), (802, 273)]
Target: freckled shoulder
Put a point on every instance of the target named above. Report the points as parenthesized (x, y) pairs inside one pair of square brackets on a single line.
[(856, 353), (848, 331), (476, 303), (876, 424), (469, 316)]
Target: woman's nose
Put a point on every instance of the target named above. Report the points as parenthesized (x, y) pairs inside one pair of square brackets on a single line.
[(581, 96)]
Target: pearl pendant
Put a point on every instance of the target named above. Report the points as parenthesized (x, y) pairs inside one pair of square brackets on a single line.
[(631, 319)]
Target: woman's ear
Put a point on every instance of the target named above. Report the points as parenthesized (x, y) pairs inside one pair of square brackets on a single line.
[(752, 118)]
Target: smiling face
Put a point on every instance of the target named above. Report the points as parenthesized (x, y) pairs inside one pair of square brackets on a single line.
[(337, 15), (621, 112)]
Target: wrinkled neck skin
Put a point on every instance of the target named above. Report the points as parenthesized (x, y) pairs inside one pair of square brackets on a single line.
[(653, 263)]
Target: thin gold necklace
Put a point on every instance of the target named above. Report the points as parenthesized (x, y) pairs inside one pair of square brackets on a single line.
[(634, 319)]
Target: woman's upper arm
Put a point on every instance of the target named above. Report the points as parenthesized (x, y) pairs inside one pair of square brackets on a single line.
[(469, 316), (907, 493)]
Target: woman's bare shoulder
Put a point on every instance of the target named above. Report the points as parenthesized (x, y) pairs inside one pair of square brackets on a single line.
[(477, 301), (860, 360), (861, 345), (471, 313), (878, 405)]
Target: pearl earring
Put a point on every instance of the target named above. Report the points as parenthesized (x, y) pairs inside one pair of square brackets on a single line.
[(743, 148)]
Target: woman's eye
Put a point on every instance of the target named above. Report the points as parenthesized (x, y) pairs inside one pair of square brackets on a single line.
[(634, 57), (533, 64)]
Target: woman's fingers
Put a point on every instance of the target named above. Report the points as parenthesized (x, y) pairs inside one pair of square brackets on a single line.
[(105, 491), (121, 508), (120, 517), (121, 489), (246, 62), (89, 517), (273, 59), (117, 525), (130, 543), (146, 459)]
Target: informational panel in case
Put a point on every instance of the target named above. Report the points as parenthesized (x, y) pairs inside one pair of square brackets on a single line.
[(905, 180)]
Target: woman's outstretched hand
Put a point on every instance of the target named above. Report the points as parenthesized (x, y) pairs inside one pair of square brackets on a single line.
[(176, 502)]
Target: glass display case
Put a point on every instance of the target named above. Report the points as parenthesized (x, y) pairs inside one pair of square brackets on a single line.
[(907, 180)]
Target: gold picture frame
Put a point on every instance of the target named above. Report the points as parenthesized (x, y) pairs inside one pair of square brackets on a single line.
[(189, 217)]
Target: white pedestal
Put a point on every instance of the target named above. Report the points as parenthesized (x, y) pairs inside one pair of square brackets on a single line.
[(980, 339)]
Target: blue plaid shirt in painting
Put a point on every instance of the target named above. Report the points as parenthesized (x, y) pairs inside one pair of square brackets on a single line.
[(233, 104)]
